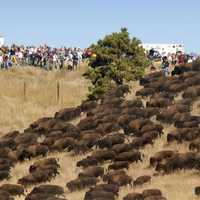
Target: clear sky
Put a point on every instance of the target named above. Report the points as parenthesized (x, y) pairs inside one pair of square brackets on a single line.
[(82, 22)]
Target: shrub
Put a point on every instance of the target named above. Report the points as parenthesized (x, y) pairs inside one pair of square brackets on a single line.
[(118, 59)]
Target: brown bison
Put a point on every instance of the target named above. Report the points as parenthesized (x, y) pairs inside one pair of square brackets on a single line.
[(138, 124), (88, 105), (145, 92), (195, 145), (151, 192), (86, 162), (42, 196), (110, 140), (132, 103), (99, 194), (87, 124), (102, 155), (192, 92), (110, 174), (142, 179), (81, 183), (130, 156), (5, 196), (120, 148), (62, 144), (153, 197), (161, 155), (154, 127), (93, 171), (107, 127), (12, 189), (134, 196), (119, 165), (37, 150), (107, 187), (68, 114), (48, 189), (159, 102), (197, 191), (120, 180)]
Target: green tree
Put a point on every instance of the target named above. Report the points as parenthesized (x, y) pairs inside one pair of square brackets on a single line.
[(118, 58)]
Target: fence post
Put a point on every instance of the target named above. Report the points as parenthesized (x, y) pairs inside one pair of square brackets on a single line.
[(58, 91), (24, 91)]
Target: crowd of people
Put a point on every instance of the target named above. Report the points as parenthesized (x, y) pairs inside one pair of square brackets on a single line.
[(43, 56), (170, 61), (69, 58)]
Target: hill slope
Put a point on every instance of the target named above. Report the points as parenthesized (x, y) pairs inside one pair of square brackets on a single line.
[(41, 94), (162, 105)]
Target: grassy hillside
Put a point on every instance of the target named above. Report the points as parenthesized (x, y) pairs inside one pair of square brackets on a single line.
[(40, 99), (174, 186)]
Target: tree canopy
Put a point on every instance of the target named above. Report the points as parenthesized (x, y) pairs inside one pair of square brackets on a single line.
[(118, 59)]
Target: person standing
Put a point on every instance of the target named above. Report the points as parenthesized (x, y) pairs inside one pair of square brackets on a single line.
[(62, 60), (75, 60), (1, 60), (174, 59), (55, 61), (189, 59), (181, 58), (165, 66)]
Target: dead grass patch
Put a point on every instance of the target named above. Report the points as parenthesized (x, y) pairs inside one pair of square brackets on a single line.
[(40, 99)]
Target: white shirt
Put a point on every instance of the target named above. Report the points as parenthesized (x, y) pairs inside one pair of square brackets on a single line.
[(55, 57), (20, 55)]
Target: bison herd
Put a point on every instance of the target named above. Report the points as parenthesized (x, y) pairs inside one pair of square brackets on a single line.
[(111, 137)]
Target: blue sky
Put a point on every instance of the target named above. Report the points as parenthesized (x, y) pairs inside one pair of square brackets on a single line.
[(82, 22)]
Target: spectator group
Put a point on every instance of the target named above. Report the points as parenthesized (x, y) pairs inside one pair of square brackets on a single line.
[(43, 56)]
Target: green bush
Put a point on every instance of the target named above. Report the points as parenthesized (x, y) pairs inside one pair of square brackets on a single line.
[(118, 59)]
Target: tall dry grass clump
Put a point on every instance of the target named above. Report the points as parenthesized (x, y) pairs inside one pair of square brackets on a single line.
[(28, 93)]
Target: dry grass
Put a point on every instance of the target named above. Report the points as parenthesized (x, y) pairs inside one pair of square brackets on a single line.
[(41, 101), (41, 94)]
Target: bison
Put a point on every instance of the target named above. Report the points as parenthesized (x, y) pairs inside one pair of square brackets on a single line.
[(86, 162), (48, 189), (141, 180), (12, 189), (102, 155), (151, 192), (107, 187), (110, 140), (93, 171), (81, 183), (99, 194), (130, 156), (120, 180), (119, 165), (134, 196), (120, 148)]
